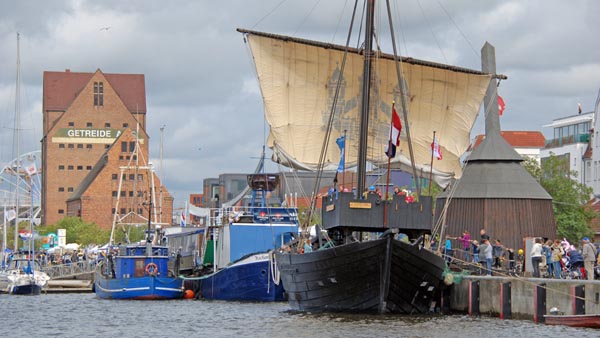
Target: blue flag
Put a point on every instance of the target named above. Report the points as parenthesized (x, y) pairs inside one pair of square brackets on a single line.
[(341, 142)]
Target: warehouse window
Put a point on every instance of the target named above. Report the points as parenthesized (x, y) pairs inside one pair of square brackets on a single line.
[(98, 94)]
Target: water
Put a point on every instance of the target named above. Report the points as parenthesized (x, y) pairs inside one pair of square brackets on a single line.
[(84, 315)]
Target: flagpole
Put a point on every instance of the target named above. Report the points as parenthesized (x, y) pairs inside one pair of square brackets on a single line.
[(4, 235), (431, 166), (344, 161)]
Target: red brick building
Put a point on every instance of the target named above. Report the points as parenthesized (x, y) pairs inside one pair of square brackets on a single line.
[(89, 122)]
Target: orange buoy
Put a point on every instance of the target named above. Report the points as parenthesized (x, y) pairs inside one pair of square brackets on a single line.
[(188, 294)]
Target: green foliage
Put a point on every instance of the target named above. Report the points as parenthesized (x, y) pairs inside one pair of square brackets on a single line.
[(134, 233), (79, 231), (569, 196)]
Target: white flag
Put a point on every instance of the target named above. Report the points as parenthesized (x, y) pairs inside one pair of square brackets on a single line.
[(197, 211), (31, 168), (11, 214)]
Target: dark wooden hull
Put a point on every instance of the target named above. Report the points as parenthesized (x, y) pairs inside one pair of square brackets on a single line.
[(592, 321), (383, 275), (415, 278)]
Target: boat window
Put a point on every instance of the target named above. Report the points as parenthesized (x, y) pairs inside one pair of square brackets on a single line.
[(139, 268)]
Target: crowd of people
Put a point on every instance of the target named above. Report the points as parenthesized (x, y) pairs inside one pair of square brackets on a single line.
[(549, 258)]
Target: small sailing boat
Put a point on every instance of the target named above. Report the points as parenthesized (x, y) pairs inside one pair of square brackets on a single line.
[(140, 270), (244, 267), (314, 92), (21, 274)]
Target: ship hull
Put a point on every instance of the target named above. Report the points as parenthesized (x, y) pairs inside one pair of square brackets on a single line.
[(379, 276), (250, 279), (140, 288), (26, 289)]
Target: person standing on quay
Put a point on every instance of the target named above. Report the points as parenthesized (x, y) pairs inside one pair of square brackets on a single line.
[(482, 260), (484, 235), (555, 258), (465, 239), (589, 257), (536, 257), (489, 256)]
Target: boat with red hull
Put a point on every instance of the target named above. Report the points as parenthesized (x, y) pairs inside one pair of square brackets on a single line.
[(591, 320)]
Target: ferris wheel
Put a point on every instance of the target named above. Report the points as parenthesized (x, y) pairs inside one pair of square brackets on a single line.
[(21, 186)]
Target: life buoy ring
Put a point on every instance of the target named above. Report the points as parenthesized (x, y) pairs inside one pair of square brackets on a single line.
[(151, 269)]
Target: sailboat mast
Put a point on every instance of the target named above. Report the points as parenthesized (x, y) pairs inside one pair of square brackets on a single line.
[(366, 89), (17, 141)]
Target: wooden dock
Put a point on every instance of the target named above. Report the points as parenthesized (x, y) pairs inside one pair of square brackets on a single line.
[(70, 286)]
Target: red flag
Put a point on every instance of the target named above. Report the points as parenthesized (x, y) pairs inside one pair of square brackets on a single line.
[(501, 105), (435, 149), (395, 130)]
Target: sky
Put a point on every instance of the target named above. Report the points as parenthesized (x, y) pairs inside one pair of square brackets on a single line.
[(200, 79)]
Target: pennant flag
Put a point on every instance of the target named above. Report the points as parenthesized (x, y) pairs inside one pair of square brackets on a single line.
[(183, 216), (11, 214), (341, 142), (435, 149), (501, 105), (395, 130)]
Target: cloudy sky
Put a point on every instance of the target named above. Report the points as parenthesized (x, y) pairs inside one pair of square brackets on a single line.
[(200, 81)]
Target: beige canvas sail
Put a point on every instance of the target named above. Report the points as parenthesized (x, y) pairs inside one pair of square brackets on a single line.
[(298, 80)]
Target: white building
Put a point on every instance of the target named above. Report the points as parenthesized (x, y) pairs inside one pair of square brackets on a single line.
[(571, 137), (593, 165)]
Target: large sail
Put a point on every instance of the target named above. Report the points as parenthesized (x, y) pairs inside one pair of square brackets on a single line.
[(298, 80)]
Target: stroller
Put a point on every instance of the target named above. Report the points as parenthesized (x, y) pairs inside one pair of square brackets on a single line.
[(572, 266)]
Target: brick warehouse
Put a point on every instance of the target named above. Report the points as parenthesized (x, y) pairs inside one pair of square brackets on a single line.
[(89, 123)]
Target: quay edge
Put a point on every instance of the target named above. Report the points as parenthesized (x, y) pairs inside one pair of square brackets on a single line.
[(560, 293)]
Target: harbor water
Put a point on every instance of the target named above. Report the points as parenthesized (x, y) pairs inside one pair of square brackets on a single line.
[(85, 315)]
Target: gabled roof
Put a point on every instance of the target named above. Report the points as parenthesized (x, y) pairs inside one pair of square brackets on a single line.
[(61, 88), (89, 178), (518, 139), (96, 170)]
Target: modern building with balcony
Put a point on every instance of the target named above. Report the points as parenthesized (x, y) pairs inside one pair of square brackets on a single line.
[(571, 138)]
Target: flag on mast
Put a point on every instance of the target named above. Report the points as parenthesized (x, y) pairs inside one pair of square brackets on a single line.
[(31, 168), (183, 216), (11, 214), (435, 149), (341, 142), (501, 105), (395, 130)]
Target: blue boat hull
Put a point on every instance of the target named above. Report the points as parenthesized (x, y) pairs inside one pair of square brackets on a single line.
[(30, 289), (249, 279), (148, 287)]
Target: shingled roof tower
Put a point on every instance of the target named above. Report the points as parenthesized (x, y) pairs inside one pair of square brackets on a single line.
[(495, 192)]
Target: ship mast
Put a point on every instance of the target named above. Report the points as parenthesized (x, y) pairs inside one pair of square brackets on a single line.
[(366, 89), (17, 143)]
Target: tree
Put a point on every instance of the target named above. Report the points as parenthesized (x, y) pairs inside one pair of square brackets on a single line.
[(79, 231), (569, 196)]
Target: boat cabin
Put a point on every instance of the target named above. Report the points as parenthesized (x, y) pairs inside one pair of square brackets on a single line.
[(372, 214)]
